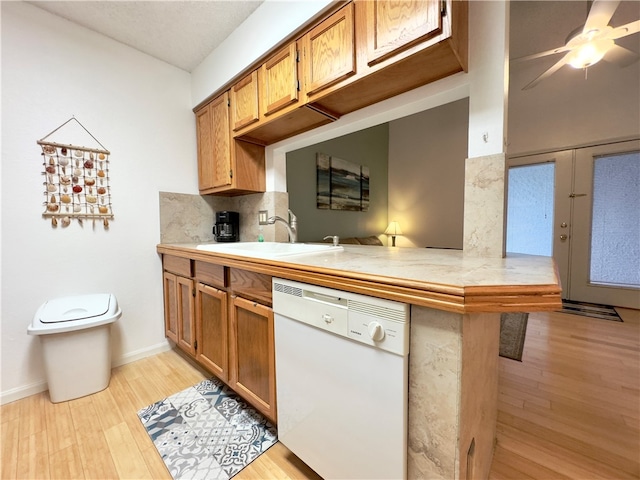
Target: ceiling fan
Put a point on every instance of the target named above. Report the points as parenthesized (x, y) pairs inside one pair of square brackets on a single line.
[(588, 44)]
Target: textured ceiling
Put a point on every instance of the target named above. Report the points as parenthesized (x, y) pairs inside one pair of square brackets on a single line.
[(181, 33)]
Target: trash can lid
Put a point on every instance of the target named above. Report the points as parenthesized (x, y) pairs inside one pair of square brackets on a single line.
[(74, 308), (68, 314)]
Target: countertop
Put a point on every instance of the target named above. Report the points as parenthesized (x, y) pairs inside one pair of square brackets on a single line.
[(439, 278)]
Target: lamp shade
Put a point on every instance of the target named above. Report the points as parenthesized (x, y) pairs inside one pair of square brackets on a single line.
[(393, 229)]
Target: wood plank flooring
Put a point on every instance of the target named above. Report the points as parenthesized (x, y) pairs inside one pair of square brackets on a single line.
[(569, 410)]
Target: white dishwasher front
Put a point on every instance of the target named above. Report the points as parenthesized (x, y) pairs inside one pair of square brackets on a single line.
[(342, 380)]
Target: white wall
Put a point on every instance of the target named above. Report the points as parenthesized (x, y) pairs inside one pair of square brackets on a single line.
[(427, 153), (566, 110), (571, 107), (137, 107)]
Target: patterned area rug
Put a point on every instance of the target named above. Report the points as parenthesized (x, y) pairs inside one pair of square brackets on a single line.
[(513, 328), (207, 431), (594, 310)]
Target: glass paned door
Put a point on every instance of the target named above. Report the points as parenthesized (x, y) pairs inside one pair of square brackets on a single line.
[(596, 219), (530, 209), (538, 208), (605, 256)]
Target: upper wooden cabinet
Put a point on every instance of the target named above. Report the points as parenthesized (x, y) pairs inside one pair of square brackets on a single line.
[(281, 111), (329, 51), (244, 102), (400, 45), (214, 151), (278, 77), (361, 53), (393, 26), (226, 166)]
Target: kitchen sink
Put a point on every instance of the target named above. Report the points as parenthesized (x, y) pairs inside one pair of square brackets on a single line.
[(268, 249)]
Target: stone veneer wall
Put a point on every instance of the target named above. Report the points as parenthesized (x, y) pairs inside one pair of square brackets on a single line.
[(484, 206), (453, 393), (435, 366), (186, 218)]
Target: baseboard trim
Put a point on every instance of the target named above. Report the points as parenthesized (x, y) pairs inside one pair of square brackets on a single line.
[(142, 353), (27, 390), (22, 392)]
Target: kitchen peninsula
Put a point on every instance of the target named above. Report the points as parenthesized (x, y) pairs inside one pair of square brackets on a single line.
[(456, 301)]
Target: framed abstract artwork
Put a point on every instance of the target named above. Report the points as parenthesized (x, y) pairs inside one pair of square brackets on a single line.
[(341, 185)]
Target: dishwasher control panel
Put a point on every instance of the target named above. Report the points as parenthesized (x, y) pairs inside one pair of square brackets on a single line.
[(373, 321)]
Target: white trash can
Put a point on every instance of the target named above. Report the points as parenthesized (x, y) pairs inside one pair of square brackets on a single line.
[(76, 343)]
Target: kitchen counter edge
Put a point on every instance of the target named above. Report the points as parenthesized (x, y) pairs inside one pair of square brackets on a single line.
[(455, 296)]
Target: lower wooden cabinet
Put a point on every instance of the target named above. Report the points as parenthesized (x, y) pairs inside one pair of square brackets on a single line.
[(179, 311), (211, 328), (230, 336), (252, 354)]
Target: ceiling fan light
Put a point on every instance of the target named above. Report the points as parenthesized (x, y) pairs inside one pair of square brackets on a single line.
[(589, 54)]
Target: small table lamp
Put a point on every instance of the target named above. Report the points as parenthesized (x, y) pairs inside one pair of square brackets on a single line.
[(393, 229)]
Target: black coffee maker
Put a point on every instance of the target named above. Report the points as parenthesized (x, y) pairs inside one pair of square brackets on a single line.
[(227, 227)]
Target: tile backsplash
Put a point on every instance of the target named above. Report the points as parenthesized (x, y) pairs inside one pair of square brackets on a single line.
[(186, 218)]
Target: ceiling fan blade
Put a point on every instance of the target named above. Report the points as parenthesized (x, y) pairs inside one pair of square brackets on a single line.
[(624, 30), (563, 61), (541, 54), (600, 13), (621, 56)]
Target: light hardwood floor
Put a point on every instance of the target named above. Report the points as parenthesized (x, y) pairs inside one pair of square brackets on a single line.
[(570, 409)]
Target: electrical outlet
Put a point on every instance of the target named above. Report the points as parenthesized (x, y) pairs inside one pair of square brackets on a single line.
[(262, 217)]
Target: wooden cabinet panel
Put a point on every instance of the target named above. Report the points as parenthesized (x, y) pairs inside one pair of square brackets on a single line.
[(177, 265), (279, 80), (401, 45), (252, 354), (179, 320), (186, 319), (204, 132), (221, 138), (395, 25), (255, 286), (244, 102), (210, 273), (329, 51), (214, 150), (170, 307), (211, 327), (226, 166)]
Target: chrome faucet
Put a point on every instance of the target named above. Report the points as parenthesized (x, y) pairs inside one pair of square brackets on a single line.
[(292, 225)]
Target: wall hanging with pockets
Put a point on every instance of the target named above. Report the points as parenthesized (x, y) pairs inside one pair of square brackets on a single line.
[(76, 182)]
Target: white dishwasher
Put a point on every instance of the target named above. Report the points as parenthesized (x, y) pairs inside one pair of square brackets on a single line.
[(342, 380)]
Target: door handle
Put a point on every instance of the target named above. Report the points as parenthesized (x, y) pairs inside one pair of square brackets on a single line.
[(574, 195), (563, 237)]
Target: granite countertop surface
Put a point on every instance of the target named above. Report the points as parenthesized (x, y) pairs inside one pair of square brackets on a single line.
[(408, 265)]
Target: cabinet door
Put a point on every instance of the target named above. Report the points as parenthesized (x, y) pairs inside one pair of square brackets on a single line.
[(185, 315), (221, 141), (204, 133), (329, 51), (252, 354), (279, 80), (395, 25), (244, 101), (214, 144), (211, 328), (170, 307)]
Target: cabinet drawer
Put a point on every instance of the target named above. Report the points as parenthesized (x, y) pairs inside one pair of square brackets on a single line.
[(177, 265), (255, 286), (210, 274)]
